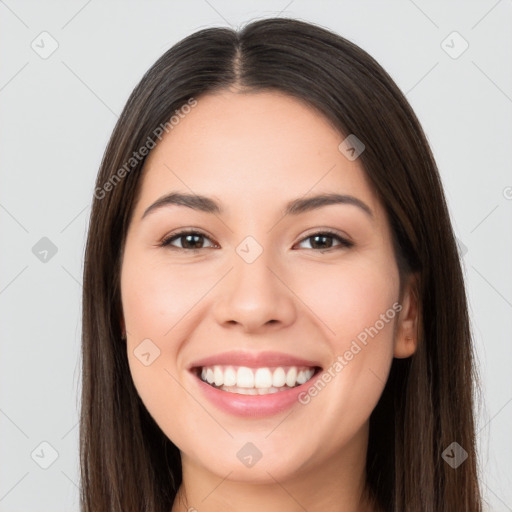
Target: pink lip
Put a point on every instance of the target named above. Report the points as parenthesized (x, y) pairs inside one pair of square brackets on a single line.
[(253, 405), (253, 360)]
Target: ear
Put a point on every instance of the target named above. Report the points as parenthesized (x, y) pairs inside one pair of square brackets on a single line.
[(406, 339)]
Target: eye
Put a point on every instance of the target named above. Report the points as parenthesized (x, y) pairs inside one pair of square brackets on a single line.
[(191, 240), (194, 240), (324, 240)]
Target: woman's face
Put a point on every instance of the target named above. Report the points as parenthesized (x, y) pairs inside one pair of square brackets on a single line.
[(259, 286)]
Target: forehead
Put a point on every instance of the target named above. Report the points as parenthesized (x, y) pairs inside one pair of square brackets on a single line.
[(244, 146)]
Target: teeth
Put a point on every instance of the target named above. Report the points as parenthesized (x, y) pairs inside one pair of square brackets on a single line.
[(291, 377), (302, 377), (263, 378), (230, 377), (255, 381), (251, 391), (279, 378), (244, 377), (218, 376)]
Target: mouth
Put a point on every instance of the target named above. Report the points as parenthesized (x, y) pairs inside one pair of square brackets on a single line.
[(243, 380)]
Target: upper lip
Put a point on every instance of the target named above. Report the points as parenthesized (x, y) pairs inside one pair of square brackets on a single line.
[(253, 360)]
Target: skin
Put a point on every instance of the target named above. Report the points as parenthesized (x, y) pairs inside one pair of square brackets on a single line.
[(253, 152)]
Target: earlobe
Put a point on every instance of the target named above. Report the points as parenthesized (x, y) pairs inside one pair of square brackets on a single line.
[(406, 341), (405, 347)]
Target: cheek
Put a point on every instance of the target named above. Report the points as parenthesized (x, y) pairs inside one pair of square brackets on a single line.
[(156, 296), (160, 306), (349, 298), (151, 308), (358, 311)]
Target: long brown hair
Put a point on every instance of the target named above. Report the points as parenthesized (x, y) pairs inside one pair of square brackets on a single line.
[(127, 462)]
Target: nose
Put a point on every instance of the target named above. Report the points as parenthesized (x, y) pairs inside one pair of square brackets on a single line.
[(254, 297)]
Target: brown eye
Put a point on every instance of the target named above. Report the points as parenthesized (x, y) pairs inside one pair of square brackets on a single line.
[(324, 240), (189, 240)]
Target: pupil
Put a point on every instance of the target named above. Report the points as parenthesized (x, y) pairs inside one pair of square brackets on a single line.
[(318, 241), (193, 245), (323, 243)]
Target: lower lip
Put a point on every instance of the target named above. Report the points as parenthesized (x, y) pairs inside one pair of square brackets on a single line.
[(254, 405)]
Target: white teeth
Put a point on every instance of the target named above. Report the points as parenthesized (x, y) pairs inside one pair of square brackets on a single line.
[(279, 378), (250, 391), (291, 377), (229, 377), (301, 377), (218, 375), (263, 378), (259, 380), (244, 377)]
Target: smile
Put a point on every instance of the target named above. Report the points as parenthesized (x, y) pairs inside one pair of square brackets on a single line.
[(255, 381)]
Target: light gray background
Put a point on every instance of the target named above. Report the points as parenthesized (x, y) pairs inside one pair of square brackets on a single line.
[(57, 115)]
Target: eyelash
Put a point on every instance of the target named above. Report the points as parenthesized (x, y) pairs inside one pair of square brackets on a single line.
[(343, 242)]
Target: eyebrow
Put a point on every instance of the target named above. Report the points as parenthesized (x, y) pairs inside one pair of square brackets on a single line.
[(294, 207)]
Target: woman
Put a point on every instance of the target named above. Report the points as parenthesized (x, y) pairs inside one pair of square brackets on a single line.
[(274, 313)]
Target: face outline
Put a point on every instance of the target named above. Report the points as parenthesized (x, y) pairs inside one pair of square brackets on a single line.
[(253, 153)]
